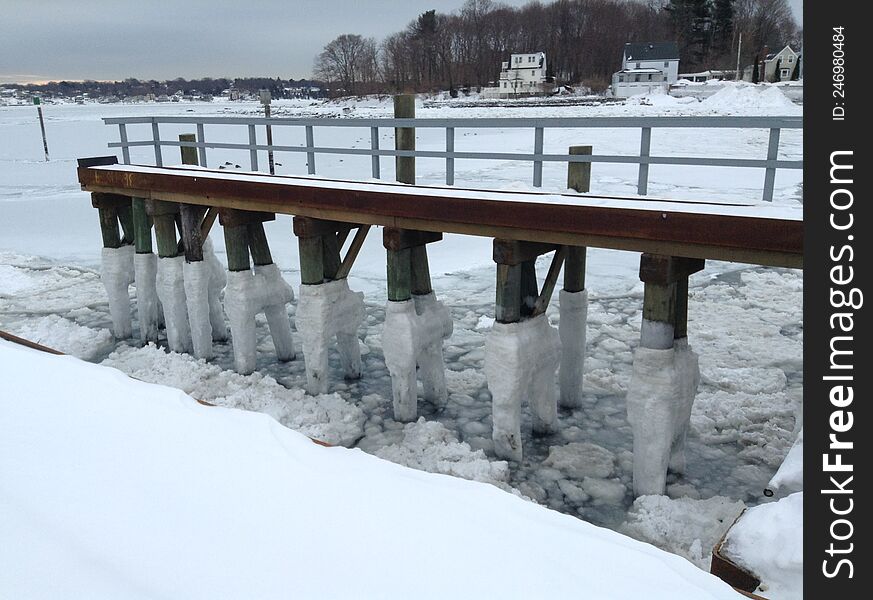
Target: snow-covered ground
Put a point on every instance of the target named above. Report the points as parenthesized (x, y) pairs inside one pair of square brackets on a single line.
[(745, 322), (113, 488)]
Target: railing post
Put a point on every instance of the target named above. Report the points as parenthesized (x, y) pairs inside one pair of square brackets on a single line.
[(538, 164), (374, 145), (645, 148), (125, 149), (450, 161), (253, 152), (770, 174), (201, 151), (310, 155), (156, 137)]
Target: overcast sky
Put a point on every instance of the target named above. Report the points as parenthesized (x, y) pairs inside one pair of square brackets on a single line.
[(44, 40)]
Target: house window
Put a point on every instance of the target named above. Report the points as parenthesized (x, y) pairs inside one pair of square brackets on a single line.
[(790, 59), (636, 77), (621, 78), (666, 64), (649, 76), (639, 65), (784, 73)]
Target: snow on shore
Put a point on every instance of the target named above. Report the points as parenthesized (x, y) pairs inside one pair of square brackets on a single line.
[(118, 488)]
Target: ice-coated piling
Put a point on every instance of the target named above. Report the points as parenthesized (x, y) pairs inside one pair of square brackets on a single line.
[(412, 342), (520, 363), (204, 280), (148, 308), (573, 310), (326, 312), (117, 273), (170, 282), (248, 293), (665, 373)]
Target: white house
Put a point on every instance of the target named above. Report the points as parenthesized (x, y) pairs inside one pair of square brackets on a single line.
[(646, 67), (523, 75), (782, 66)]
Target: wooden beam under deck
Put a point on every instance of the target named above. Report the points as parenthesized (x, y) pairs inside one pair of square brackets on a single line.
[(675, 228)]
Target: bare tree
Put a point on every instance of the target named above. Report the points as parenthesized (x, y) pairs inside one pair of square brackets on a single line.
[(350, 60)]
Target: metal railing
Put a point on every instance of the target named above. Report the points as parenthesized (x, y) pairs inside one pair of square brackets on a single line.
[(644, 158)]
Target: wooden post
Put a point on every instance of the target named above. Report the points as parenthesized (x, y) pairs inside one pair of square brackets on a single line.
[(142, 226), (404, 138), (680, 323), (578, 179), (109, 227), (311, 260), (189, 153), (529, 289), (399, 275), (258, 245), (237, 244), (665, 301), (508, 301)]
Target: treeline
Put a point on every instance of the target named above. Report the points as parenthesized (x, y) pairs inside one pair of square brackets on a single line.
[(582, 39), (207, 86)]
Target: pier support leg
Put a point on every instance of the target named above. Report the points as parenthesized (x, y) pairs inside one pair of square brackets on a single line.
[(416, 323), (170, 281), (574, 298), (665, 377), (251, 291), (327, 309), (145, 264), (117, 263), (522, 350)]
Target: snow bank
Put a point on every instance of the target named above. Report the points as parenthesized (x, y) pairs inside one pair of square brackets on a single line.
[(143, 493), (739, 97), (768, 541), (684, 526)]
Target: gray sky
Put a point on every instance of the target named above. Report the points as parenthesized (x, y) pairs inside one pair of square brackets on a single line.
[(44, 40)]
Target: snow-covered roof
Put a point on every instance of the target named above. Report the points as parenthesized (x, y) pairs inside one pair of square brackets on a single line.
[(641, 71)]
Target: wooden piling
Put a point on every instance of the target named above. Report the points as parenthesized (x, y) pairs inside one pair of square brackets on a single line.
[(578, 179), (142, 226), (508, 301), (258, 245), (109, 228), (399, 275), (665, 300), (237, 244), (404, 138)]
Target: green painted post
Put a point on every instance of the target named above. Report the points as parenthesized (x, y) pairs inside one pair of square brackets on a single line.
[(142, 226), (399, 275), (420, 283), (237, 244), (331, 255), (258, 245), (165, 233), (125, 217), (311, 251)]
